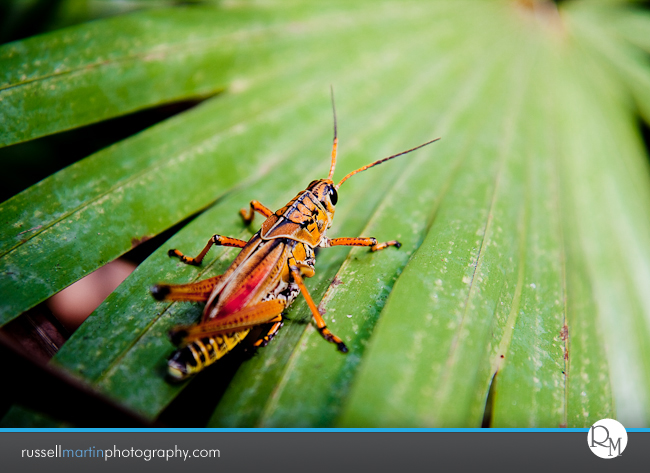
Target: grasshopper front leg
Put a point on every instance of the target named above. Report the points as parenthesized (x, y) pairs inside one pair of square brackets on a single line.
[(371, 242), (217, 240)]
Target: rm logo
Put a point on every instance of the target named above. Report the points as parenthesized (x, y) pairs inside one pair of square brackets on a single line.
[(607, 438)]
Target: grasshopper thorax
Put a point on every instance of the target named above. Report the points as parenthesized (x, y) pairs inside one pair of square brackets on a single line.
[(306, 217)]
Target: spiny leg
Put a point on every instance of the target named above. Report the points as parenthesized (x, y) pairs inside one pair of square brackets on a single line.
[(371, 242), (262, 313), (217, 240), (255, 206), (263, 341), (197, 291), (320, 323), (206, 342)]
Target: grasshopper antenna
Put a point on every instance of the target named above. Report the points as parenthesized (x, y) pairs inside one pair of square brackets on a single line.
[(368, 166), (336, 140)]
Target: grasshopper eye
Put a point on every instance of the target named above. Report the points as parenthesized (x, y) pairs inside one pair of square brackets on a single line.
[(334, 196)]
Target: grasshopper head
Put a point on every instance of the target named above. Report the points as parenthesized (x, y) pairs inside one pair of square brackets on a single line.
[(325, 192)]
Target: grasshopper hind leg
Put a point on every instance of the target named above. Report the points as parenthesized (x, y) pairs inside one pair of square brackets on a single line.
[(204, 343), (198, 354), (196, 292), (264, 340)]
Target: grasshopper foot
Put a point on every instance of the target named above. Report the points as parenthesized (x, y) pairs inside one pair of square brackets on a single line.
[(381, 246)]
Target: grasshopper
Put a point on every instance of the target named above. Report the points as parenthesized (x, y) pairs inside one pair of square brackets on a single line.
[(266, 276)]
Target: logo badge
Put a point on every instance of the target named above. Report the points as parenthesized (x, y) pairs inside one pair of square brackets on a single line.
[(607, 438)]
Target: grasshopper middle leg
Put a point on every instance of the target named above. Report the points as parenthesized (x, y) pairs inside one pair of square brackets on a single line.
[(320, 323)]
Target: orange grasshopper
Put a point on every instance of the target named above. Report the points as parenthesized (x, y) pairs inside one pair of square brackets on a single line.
[(266, 276)]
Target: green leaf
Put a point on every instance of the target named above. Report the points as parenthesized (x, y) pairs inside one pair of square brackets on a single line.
[(91, 72), (518, 297)]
